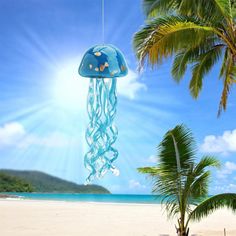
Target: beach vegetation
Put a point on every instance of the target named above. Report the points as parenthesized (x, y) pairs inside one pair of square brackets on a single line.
[(10, 183), (198, 34), (45, 183), (183, 180)]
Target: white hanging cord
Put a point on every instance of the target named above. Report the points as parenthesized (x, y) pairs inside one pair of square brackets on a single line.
[(103, 21)]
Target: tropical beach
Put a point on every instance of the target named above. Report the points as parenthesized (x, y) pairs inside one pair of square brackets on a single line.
[(53, 218)]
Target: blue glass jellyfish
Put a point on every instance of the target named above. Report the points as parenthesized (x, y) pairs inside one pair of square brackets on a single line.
[(102, 64)]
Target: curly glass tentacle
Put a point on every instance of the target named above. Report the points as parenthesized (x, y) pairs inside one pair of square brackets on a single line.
[(101, 133)]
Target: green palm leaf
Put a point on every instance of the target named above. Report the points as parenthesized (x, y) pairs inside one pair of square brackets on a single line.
[(176, 155), (153, 171), (206, 162), (228, 74), (200, 178), (182, 182), (204, 64), (196, 33), (177, 146), (213, 203), (165, 36), (154, 7), (219, 8), (199, 187), (189, 56)]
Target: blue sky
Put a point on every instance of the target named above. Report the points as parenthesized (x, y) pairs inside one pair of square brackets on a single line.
[(43, 114)]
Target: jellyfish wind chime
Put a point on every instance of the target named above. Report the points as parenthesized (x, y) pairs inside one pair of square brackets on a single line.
[(102, 64)]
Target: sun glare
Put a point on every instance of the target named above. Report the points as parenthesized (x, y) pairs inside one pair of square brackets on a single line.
[(70, 89)]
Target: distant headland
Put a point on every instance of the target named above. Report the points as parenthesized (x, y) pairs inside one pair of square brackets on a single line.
[(36, 181)]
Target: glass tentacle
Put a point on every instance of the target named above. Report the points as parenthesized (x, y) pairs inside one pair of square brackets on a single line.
[(101, 133)]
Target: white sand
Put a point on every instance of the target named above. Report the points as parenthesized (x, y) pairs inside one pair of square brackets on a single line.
[(51, 218)]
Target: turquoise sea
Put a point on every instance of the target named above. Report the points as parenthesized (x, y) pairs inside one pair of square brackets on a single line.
[(110, 198)]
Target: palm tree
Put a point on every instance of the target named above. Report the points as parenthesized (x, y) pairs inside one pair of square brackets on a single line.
[(183, 182), (198, 33)]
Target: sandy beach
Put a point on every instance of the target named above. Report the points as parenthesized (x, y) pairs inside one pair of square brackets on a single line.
[(55, 218)]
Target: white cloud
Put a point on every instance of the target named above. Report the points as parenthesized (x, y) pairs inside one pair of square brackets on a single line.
[(129, 85), (220, 144), (225, 188), (134, 184), (11, 133), (228, 169), (14, 135), (230, 166), (152, 159)]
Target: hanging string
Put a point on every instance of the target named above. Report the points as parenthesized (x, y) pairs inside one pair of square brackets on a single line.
[(103, 21)]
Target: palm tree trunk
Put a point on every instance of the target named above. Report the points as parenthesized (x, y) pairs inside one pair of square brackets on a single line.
[(182, 230), (185, 232)]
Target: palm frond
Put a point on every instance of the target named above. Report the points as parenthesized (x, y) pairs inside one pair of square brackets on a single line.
[(204, 9), (213, 203), (196, 185), (233, 7), (185, 146), (187, 184), (228, 72), (207, 9), (165, 36), (206, 162), (176, 156), (153, 8), (205, 63), (224, 63), (182, 60), (225, 7), (189, 56), (180, 64), (172, 207), (148, 170), (199, 188), (177, 146)]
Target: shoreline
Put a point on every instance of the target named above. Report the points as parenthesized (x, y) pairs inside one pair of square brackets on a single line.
[(79, 202), (61, 218), (5, 196), (100, 198)]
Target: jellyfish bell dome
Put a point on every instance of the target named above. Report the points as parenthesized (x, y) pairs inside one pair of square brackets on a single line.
[(103, 61)]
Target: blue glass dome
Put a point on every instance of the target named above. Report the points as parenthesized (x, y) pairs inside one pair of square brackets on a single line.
[(103, 61)]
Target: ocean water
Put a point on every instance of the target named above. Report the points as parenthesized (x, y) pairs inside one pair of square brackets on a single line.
[(109, 198)]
